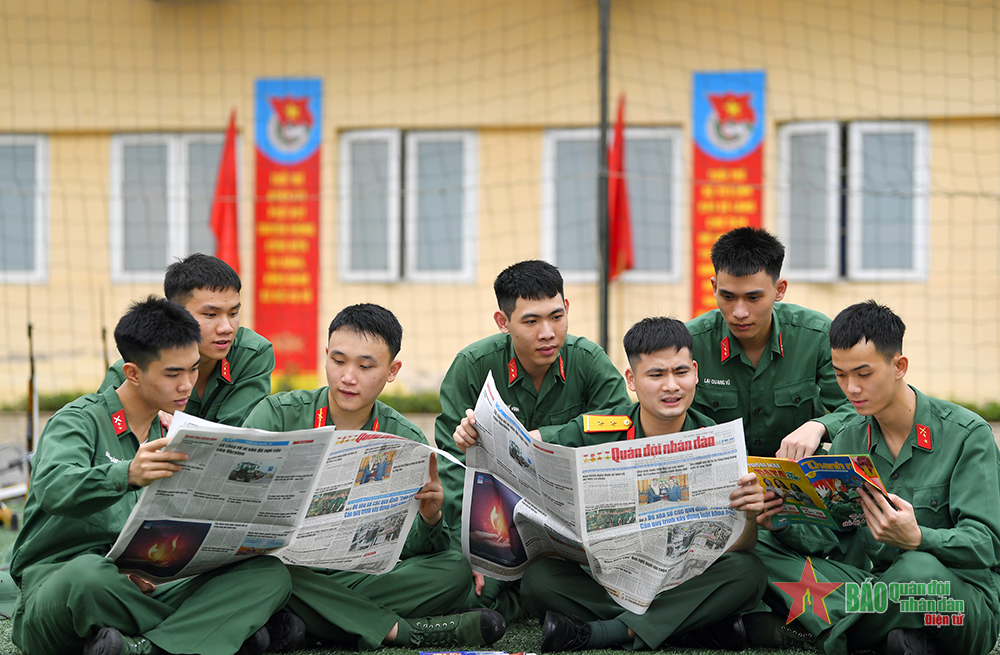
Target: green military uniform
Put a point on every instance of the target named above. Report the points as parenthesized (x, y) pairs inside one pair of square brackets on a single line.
[(792, 383), (358, 609), (948, 470), (237, 383), (733, 583), (582, 380), (77, 504)]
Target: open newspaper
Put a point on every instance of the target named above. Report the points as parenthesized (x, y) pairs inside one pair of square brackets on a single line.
[(819, 490), (322, 497), (645, 515)]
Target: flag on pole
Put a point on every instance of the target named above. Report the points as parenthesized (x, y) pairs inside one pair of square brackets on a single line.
[(619, 220), (225, 224)]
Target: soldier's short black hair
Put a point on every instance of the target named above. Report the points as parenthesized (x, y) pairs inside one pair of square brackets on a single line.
[(747, 250), (152, 325), (872, 322), (370, 320), (654, 334), (532, 279), (198, 271)]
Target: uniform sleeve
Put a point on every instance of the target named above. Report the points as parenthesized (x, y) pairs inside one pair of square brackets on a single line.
[(571, 434), (424, 539), (972, 498), (264, 416), (833, 398), (251, 386), (459, 391), (606, 386), (64, 480), (114, 377)]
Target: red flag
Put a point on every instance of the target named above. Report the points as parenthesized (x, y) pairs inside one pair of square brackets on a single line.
[(619, 221), (225, 223)]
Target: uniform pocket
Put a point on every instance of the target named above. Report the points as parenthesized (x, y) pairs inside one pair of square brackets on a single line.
[(716, 399), (930, 505)]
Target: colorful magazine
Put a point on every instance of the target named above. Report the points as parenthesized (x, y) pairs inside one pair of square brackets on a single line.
[(821, 490)]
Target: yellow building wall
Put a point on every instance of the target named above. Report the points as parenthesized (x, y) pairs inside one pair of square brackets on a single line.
[(82, 71)]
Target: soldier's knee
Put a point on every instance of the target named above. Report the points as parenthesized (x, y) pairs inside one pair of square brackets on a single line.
[(915, 566)]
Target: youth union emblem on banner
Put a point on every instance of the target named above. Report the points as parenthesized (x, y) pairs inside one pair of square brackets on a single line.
[(731, 121), (290, 125)]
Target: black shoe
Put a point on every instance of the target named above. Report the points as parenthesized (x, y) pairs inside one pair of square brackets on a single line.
[(768, 630), (562, 633), (108, 641), (477, 627), (905, 641), (286, 631), (727, 634), (256, 643)]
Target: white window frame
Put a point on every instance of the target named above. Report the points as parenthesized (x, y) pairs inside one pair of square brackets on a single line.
[(470, 205), (921, 190), (40, 273), (185, 192), (347, 140), (831, 130), (177, 198), (674, 274), (548, 238)]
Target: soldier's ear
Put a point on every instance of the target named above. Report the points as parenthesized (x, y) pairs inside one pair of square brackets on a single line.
[(131, 372), (501, 320), (630, 379)]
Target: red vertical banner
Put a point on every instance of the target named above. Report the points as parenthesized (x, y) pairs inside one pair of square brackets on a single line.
[(225, 220), (286, 216), (728, 132)]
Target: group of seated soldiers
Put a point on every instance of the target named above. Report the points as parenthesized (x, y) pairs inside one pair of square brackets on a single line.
[(798, 381)]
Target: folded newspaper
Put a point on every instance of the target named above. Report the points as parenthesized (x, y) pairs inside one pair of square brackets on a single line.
[(645, 515), (819, 490), (323, 497)]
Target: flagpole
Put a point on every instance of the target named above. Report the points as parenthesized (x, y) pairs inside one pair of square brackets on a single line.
[(603, 242)]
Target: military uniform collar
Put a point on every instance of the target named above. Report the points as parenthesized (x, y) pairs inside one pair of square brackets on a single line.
[(116, 412), (730, 346), (516, 372), (920, 434)]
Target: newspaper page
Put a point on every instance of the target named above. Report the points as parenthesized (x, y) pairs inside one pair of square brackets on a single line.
[(319, 497), (645, 515), (820, 490)]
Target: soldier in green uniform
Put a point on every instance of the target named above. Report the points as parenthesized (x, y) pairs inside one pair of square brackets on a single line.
[(764, 361), (703, 612), (236, 362), (546, 376), (94, 457), (939, 463), (357, 609)]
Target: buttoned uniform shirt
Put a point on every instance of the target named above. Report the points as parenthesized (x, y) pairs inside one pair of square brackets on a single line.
[(304, 409), (604, 427), (793, 381), (235, 386), (581, 380), (949, 470), (79, 496)]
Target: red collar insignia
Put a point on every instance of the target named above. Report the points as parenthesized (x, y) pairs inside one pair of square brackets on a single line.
[(631, 432), (226, 373), (375, 425), (320, 420), (923, 436), (781, 346), (725, 349), (869, 436), (562, 368), (119, 422), (511, 371)]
